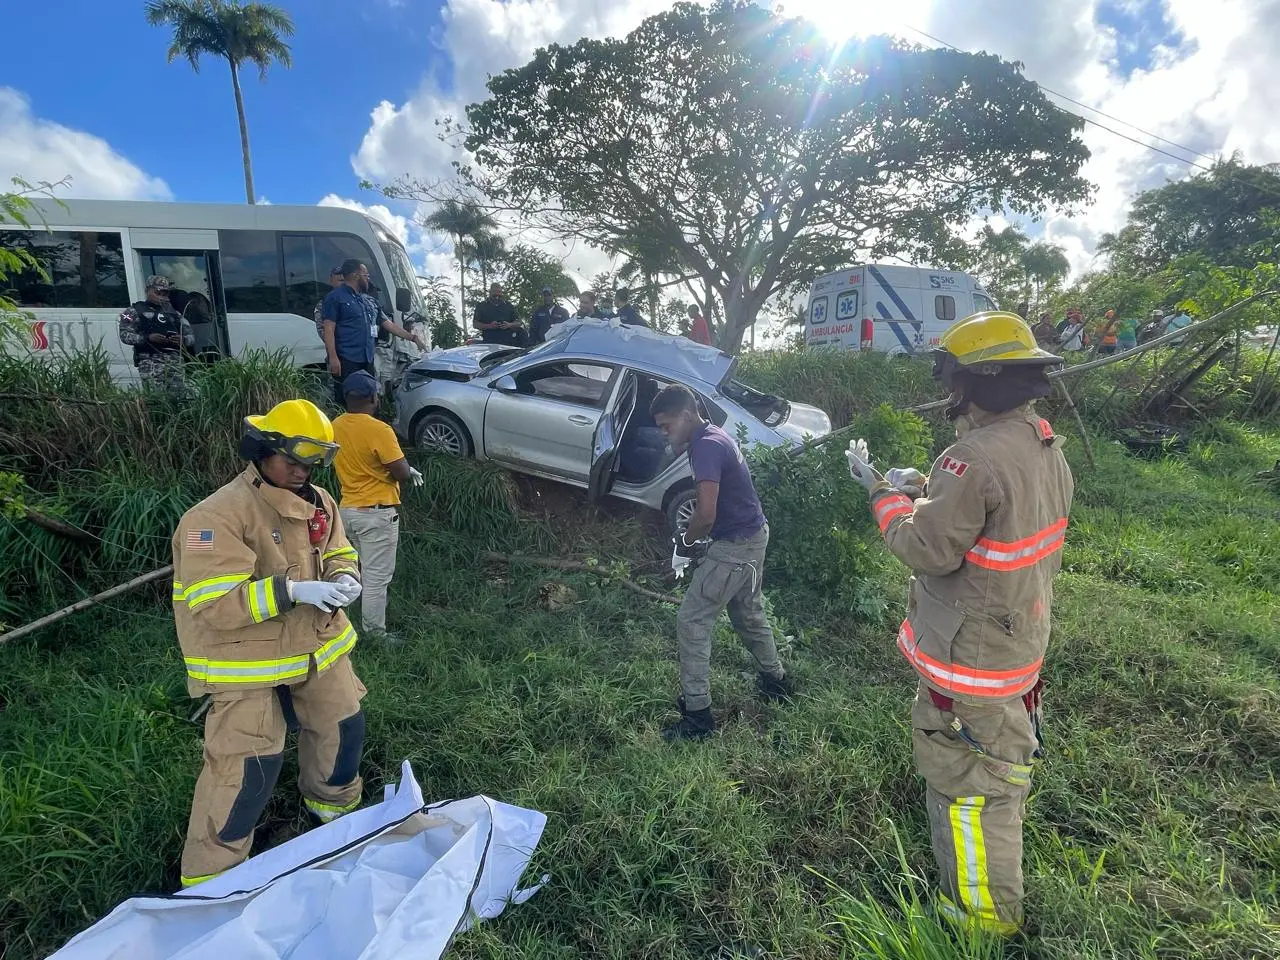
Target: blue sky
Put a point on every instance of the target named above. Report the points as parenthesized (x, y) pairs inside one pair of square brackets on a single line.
[(304, 123)]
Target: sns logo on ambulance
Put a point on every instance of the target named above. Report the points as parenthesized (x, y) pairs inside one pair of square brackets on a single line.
[(39, 339), (953, 466)]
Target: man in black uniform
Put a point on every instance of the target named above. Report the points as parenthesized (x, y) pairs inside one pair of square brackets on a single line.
[(628, 314), (545, 317), (495, 318), (157, 333), (587, 309)]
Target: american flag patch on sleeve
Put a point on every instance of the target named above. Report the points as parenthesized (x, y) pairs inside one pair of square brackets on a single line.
[(200, 540)]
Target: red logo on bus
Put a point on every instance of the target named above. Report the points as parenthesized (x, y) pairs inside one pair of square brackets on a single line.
[(39, 339)]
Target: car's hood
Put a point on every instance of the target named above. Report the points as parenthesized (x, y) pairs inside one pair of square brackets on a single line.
[(804, 420), (460, 360)]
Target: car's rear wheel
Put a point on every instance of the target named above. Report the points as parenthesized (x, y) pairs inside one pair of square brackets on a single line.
[(441, 432), (680, 509)]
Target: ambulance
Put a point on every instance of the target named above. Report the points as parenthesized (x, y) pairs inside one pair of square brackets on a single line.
[(889, 309)]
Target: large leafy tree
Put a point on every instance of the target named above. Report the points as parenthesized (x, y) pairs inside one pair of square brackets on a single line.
[(237, 32), (1222, 215), (758, 156)]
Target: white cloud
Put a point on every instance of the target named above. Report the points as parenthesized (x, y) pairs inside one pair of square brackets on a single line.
[(38, 149)]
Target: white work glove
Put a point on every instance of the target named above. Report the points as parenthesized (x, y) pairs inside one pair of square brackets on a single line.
[(907, 480), (860, 464), (319, 593), (684, 553), (349, 586), (415, 477)]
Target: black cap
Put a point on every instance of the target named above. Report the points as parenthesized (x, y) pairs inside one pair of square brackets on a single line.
[(623, 294)]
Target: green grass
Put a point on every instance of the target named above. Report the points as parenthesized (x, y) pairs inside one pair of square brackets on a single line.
[(1153, 831)]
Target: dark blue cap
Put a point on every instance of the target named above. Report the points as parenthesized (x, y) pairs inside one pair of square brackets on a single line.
[(360, 384)]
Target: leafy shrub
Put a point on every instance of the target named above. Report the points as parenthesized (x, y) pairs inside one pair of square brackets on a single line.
[(823, 537)]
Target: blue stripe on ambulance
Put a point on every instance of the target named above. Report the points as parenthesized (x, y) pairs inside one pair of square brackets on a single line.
[(896, 327), (901, 304)]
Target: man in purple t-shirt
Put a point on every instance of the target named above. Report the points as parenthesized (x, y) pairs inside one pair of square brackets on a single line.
[(731, 573)]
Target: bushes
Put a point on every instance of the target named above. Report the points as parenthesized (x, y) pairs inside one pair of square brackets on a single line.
[(823, 537)]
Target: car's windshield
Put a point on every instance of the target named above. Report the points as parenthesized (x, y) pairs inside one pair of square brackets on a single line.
[(765, 407), (401, 270)]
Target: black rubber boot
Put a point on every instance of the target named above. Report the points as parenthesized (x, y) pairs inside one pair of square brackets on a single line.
[(693, 724), (775, 688)]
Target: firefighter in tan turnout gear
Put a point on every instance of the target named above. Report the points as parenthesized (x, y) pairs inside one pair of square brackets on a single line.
[(984, 539), (262, 572)]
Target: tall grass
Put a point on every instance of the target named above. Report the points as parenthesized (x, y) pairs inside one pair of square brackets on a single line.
[(1151, 832)]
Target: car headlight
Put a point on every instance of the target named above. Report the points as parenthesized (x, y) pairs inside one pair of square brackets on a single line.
[(413, 379)]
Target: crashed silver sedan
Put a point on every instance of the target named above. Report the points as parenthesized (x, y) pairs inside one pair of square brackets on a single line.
[(576, 409)]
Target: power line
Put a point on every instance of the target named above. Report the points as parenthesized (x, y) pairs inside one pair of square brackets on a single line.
[(1101, 113), (1260, 187)]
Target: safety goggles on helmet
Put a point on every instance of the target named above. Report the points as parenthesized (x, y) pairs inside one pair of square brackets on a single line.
[(304, 451)]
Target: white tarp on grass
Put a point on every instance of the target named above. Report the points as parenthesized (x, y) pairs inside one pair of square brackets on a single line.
[(395, 880)]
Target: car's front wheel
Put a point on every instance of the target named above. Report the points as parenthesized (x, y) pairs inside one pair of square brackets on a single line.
[(680, 509), (441, 432)]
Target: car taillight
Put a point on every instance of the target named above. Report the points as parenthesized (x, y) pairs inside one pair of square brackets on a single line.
[(868, 333)]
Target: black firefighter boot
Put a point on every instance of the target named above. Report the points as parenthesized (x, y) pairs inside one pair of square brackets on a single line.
[(781, 688), (693, 724)]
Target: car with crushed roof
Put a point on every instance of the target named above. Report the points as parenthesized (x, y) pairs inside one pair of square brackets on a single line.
[(576, 409)]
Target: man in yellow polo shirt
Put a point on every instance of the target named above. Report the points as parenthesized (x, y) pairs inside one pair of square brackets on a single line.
[(371, 466)]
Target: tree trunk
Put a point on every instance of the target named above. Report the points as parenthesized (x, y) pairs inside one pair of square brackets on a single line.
[(462, 287), (740, 314), (244, 134)]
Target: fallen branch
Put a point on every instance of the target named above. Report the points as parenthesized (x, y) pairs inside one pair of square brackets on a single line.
[(86, 603), (573, 566), (53, 524), (52, 398)]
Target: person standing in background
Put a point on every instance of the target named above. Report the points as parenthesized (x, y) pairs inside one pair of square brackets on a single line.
[(370, 467), (158, 334), (587, 309), (496, 320), (697, 329), (546, 317), (628, 314)]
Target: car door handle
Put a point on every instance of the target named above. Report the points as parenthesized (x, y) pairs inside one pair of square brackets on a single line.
[(579, 418)]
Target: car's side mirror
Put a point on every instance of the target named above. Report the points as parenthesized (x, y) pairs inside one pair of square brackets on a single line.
[(404, 300), (505, 383)]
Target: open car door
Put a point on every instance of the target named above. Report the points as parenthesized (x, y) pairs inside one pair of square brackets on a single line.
[(607, 445)]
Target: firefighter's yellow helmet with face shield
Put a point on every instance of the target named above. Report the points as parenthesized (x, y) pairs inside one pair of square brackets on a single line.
[(987, 343), (298, 429)]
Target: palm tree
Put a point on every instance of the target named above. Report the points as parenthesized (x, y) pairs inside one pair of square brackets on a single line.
[(486, 249), (238, 33), (463, 220), (1045, 265)]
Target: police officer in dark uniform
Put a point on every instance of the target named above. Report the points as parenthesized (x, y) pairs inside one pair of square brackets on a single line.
[(545, 317), (496, 320), (587, 309), (628, 314), (158, 333)]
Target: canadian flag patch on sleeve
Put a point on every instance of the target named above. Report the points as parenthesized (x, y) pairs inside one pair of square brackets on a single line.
[(953, 466)]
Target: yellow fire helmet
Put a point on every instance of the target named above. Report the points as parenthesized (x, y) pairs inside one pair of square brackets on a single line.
[(298, 429), (986, 343)]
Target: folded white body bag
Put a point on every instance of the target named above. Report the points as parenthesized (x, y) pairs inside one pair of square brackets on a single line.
[(395, 880)]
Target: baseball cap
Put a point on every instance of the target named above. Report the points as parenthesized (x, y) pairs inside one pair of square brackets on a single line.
[(547, 290), (335, 272), (157, 282), (360, 384)]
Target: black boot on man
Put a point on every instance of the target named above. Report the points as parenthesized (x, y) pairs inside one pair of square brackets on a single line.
[(693, 724), (781, 689)]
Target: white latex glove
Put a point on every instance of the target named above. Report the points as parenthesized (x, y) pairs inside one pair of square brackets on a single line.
[(908, 480), (415, 477), (349, 586), (860, 464), (319, 593)]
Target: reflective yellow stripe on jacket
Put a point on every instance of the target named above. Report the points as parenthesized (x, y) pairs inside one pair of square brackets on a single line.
[(271, 671), (347, 553), (263, 602)]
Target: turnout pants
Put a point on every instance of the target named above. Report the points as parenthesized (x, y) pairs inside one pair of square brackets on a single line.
[(244, 737), (731, 575), (977, 781), (375, 533)]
